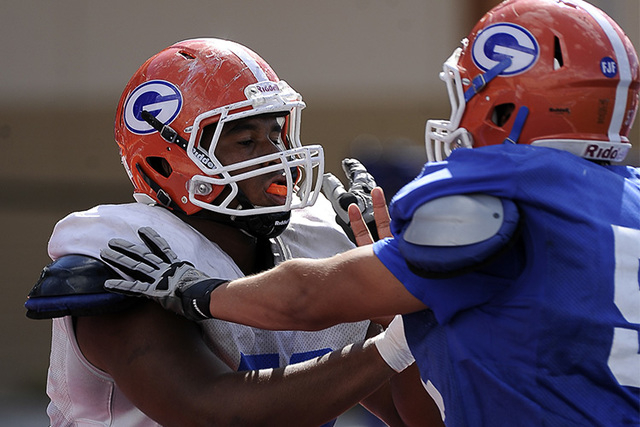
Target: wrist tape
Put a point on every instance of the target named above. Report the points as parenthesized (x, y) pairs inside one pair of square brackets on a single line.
[(392, 346)]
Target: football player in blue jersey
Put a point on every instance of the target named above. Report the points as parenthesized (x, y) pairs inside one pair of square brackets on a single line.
[(515, 255), (209, 136)]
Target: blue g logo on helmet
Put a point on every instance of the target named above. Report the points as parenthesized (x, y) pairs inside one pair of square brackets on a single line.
[(160, 98), (502, 40)]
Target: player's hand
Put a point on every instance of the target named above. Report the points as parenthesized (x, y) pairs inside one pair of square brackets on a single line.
[(359, 193), (158, 274), (361, 230)]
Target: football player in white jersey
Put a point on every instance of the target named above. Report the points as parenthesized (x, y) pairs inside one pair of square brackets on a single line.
[(209, 136)]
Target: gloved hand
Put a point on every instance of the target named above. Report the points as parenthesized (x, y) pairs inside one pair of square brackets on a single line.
[(158, 274), (392, 346), (360, 185)]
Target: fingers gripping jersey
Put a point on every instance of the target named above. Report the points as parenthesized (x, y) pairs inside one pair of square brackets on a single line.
[(548, 333), (73, 383)]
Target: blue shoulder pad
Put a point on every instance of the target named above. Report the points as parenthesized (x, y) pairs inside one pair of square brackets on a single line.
[(452, 235), (73, 286)]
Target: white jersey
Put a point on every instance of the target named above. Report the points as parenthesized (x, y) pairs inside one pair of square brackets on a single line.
[(81, 394)]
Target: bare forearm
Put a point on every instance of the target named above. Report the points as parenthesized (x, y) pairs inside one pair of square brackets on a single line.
[(309, 393), (314, 294), (413, 403), (275, 299), (403, 401)]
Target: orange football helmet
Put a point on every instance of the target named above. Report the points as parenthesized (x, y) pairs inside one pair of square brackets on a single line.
[(174, 95), (554, 73)]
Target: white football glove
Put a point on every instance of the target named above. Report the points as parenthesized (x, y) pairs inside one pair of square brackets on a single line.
[(158, 274), (361, 182), (392, 346)]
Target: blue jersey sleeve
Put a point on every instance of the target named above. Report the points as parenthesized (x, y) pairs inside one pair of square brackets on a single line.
[(488, 174), (447, 296)]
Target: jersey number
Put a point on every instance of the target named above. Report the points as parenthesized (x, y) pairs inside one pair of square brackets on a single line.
[(272, 360), (624, 359)]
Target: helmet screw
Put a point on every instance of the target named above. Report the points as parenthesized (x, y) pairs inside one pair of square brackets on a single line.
[(202, 188)]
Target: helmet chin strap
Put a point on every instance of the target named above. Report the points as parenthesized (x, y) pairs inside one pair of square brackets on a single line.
[(166, 132), (481, 80), (518, 124), (262, 225), (163, 198), (266, 226)]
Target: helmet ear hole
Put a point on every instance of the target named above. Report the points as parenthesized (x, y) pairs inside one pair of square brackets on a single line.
[(501, 114), (558, 60), (160, 165)]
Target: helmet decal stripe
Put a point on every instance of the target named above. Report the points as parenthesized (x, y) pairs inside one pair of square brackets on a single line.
[(624, 70), (251, 63)]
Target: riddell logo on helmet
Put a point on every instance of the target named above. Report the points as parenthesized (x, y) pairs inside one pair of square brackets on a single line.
[(594, 151), (204, 159), (261, 88), (267, 87)]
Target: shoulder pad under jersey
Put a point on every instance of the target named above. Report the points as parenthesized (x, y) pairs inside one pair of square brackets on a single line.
[(454, 234), (73, 286)]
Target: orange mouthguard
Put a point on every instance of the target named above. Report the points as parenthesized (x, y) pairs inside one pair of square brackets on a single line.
[(277, 189)]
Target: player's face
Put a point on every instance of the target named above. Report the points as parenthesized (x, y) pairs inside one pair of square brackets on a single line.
[(247, 139)]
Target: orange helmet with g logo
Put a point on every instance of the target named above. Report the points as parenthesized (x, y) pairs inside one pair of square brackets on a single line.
[(181, 90), (555, 73)]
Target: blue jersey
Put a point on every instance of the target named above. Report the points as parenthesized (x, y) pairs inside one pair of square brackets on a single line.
[(548, 333)]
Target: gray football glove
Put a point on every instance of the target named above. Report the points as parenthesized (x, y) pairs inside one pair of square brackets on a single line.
[(361, 182), (158, 274)]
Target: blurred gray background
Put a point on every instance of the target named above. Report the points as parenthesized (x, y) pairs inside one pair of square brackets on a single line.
[(368, 70)]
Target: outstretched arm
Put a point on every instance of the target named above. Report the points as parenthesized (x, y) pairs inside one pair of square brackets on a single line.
[(301, 294), (311, 294), (163, 366)]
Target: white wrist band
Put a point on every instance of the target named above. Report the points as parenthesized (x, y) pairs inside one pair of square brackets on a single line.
[(392, 346)]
